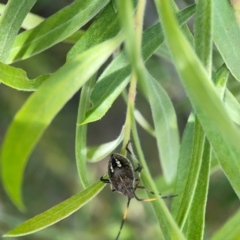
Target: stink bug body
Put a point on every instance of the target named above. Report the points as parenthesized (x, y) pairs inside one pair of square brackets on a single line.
[(122, 179), (121, 175)]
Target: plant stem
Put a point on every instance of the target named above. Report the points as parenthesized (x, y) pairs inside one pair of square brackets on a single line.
[(133, 45), (130, 107)]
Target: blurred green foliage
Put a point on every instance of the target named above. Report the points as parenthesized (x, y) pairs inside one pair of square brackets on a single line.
[(51, 174)]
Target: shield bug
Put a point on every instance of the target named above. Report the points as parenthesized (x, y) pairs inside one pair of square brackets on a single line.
[(122, 179)]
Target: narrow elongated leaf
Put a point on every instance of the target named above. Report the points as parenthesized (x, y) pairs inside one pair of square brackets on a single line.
[(196, 219), (204, 98), (184, 163), (230, 229), (11, 21), (58, 212), (81, 132), (192, 179), (55, 28), (39, 110), (185, 160), (166, 129), (32, 20), (104, 27), (203, 49), (117, 75), (96, 153), (226, 30), (17, 78)]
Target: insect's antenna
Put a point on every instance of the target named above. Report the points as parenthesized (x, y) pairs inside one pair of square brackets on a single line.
[(130, 151), (171, 196), (142, 187), (124, 217)]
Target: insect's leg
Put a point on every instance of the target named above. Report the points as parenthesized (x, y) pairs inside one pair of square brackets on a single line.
[(104, 180), (137, 181), (112, 189), (139, 168), (142, 187), (128, 148), (144, 199), (124, 217)]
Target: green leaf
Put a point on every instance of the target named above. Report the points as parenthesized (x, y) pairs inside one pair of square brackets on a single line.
[(17, 78), (117, 75), (166, 129), (11, 21), (107, 89), (55, 28), (32, 20), (184, 163), (197, 207), (57, 213), (96, 153), (220, 78), (192, 178), (104, 27), (204, 98), (39, 110), (230, 229), (81, 132), (196, 219), (226, 30)]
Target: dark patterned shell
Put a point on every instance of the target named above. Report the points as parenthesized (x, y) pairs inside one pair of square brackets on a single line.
[(121, 174)]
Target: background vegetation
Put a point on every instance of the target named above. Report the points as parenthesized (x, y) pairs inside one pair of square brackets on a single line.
[(36, 178)]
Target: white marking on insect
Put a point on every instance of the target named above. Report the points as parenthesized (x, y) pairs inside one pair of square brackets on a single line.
[(118, 163)]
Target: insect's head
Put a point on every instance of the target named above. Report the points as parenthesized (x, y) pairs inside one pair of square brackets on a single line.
[(119, 165)]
